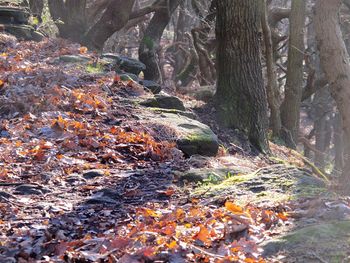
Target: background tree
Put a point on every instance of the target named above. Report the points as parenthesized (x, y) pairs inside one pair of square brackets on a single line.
[(335, 63), (290, 110), (241, 98)]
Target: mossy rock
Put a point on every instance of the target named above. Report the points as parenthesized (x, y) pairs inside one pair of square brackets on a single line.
[(202, 175), (187, 114), (165, 102), (23, 32), (13, 15), (193, 137), (276, 183), (328, 241)]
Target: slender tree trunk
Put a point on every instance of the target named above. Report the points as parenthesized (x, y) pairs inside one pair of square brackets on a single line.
[(335, 63), (272, 84), (152, 36), (241, 98), (290, 112)]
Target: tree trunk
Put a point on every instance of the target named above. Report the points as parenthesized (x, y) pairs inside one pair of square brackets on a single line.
[(78, 26), (70, 17), (152, 36), (114, 18), (241, 98), (272, 84), (335, 63), (290, 111)]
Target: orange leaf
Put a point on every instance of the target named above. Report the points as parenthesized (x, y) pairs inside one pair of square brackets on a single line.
[(116, 78), (83, 50), (283, 216), (233, 208), (203, 235), (1, 83), (172, 245)]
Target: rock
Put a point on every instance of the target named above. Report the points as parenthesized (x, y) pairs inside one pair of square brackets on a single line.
[(74, 179), (93, 174), (74, 59), (5, 195), (193, 137), (329, 241), (276, 183), (126, 64), (23, 32), (13, 15), (187, 114), (129, 76), (165, 102), (105, 196), (30, 189), (202, 175), (153, 86)]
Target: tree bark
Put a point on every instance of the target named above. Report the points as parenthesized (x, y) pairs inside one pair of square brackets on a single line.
[(241, 98), (290, 110), (150, 43), (272, 84), (113, 19), (335, 64)]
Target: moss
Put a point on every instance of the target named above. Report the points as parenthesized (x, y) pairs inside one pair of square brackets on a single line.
[(98, 68)]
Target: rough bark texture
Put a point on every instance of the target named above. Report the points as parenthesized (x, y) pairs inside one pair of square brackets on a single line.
[(241, 98), (152, 36), (72, 14), (113, 19), (290, 112), (272, 84), (80, 27), (335, 63)]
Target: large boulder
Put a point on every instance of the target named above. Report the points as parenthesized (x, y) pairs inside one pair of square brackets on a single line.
[(327, 241), (276, 183), (192, 137), (23, 32), (165, 102), (13, 15), (123, 63)]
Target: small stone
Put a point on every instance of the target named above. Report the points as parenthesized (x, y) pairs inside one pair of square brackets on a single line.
[(153, 86), (30, 189), (164, 102), (93, 174)]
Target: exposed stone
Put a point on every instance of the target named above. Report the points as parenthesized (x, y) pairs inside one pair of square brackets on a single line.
[(329, 241), (276, 183), (30, 189), (126, 64), (93, 174), (165, 102), (153, 86), (23, 32), (13, 15), (193, 137), (74, 59)]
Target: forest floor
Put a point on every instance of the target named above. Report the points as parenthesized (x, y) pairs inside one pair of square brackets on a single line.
[(86, 176)]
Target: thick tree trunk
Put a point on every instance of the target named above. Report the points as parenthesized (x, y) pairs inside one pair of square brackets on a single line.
[(335, 63), (70, 17), (151, 40), (290, 112), (114, 18), (78, 26), (241, 98), (272, 84)]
